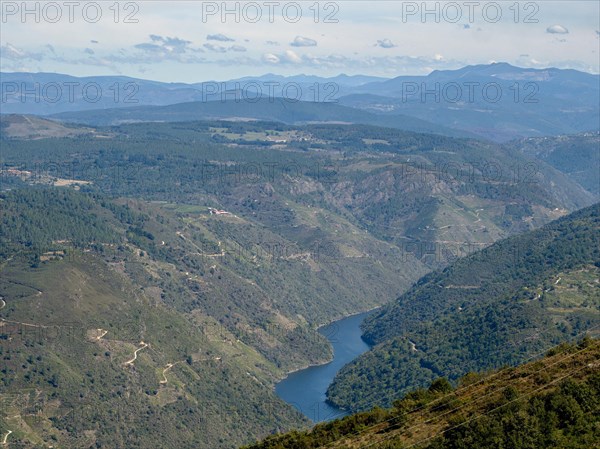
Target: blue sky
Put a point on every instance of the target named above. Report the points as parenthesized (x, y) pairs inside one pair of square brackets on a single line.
[(192, 42)]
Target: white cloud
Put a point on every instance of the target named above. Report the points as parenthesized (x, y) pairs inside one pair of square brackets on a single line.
[(301, 41), (160, 49), (219, 37), (165, 45), (557, 29), (291, 57), (215, 48), (385, 43), (270, 58), (287, 57), (11, 52), (221, 49)]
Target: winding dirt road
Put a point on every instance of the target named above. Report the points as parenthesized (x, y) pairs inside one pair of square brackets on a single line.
[(6, 437), (165, 380), (130, 362), (168, 367)]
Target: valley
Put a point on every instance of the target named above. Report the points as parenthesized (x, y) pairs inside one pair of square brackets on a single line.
[(369, 264)]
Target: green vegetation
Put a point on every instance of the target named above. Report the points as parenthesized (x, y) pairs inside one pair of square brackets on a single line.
[(174, 272), (578, 156), (493, 308), (426, 196), (74, 313), (553, 402)]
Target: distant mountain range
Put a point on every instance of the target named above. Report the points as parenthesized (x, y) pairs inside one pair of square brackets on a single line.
[(498, 101), (50, 93), (279, 110)]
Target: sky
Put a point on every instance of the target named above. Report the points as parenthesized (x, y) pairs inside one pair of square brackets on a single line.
[(196, 41)]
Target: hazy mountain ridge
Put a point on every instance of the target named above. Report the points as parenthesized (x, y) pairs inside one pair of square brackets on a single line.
[(496, 101)]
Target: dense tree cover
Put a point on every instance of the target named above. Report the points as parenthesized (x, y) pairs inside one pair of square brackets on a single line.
[(230, 286), (75, 265), (77, 391), (492, 308), (33, 220), (316, 233), (551, 403), (415, 191), (577, 155)]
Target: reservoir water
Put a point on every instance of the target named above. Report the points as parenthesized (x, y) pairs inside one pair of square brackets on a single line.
[(305, 389)]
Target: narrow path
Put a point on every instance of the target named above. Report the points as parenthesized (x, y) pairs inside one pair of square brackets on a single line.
[(130, 362), (3, 303), (168, 367), (165, 380), (5, 437), (26, 324)]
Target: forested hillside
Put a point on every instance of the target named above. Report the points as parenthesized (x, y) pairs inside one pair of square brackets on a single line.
[(429, 197), (578, 156), (492, 308), (244, 237)]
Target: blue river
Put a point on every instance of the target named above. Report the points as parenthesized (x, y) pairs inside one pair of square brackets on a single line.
[(305, 389)]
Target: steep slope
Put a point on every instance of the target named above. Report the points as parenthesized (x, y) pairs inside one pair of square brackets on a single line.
[(424, 196), (495, 307), (91, 357), (578, 156), (248, 234), (552, 402)]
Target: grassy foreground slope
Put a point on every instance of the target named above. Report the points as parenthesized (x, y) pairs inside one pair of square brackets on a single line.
[(549, 403), (495, 307)]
